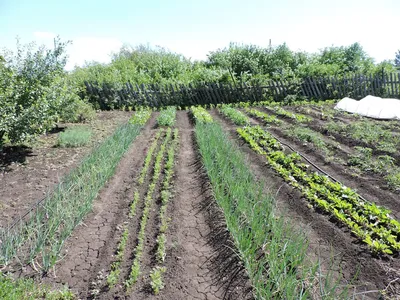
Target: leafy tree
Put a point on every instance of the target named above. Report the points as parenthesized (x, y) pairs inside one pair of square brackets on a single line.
[(397, 59), (34, 91)]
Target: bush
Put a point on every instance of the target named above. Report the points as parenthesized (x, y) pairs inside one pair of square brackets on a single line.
[(35, 92)]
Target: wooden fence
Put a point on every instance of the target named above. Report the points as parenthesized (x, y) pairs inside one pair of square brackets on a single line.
[(357, 87)]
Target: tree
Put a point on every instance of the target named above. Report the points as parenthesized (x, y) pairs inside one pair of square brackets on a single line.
[(397, 59), (34, 91)]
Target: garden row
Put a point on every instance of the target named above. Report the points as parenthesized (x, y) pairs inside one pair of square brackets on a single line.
[(368, 221), (272, 252)]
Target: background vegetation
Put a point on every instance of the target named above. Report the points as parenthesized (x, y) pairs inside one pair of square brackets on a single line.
[(36, 92)]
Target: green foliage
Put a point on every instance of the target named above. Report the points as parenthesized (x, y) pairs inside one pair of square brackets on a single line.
[(156, 279), (35, 92), (76, 136), (144, 65), (251, 219), (200, 115), (141, 117), (370, 133), (26, 289), (385, 165), (167, 117), (135, 268), (397, 59), (236, 116), (369, 222), (309, 136)]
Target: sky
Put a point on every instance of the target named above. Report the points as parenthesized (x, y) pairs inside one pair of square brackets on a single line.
[(98, 28)]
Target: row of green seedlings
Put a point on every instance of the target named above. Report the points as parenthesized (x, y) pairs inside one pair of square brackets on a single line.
[(325, 115), (40, 239), (158, 271), (141, 116), (242, 104), (113, 277), (298, 118), (237, 117), (167, 117), (362, 159), (384, 165), (371, 223), (269, 119), (148, 201), (200, 114), (328, 113), (367, 133), (262, 103), (271, 250)]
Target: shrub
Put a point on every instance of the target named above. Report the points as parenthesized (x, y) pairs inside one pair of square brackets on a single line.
[(35, 92)]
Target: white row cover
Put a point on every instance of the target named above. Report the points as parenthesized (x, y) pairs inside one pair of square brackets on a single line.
[(371, 106)]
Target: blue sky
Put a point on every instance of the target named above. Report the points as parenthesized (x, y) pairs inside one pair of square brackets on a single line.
[(193, 28)]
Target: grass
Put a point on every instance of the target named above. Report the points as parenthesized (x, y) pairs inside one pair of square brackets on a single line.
[(252, 222), (76, 136), (26, 289), (40, 239)]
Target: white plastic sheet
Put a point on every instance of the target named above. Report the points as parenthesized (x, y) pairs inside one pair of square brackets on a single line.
[(371, 106)]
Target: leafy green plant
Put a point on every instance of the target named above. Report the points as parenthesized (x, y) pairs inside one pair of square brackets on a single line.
[(263, 116), (307, 135), (201, 115), (76, 136), (26, 289), (236, 116), (112, 278), (156, 279), (284, 113), (141, 116), (375, 135), (367, 220), (167, 117), (149, 156)]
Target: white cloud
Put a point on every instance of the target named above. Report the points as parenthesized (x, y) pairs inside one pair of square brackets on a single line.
[(44, 35), (91, 49)]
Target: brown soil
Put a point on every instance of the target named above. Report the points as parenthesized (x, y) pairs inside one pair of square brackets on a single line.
[(89, 252), (28, 173), (333, 245)]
